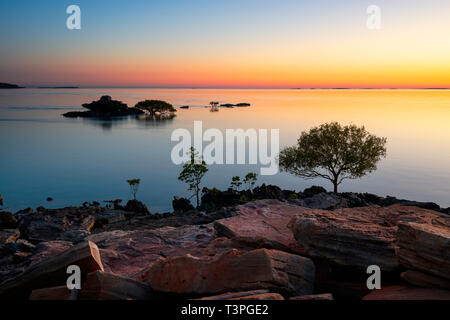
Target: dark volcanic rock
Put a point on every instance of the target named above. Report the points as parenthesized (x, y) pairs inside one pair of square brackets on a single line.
[(18, 245), (268, 192), (24, 211), (9, 235), (213, 199), (181, 205), (136, 207), (11, 267), (312, 191), (105, 107), (110, 220), (8, 221), (53, 224), (425, 205), (326, 201)]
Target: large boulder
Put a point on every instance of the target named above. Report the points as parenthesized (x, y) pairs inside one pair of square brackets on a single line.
[(268, 192), (137, 207), (425, 247), (8, 221), (326, 201), (54, 224), (105, 286), (357, 237), (419, 279), (214, 199), (312, 191), (127, 253), (9, 235), (263, 223), (16, 256), (233, 270), (182, 205), (53, 271)]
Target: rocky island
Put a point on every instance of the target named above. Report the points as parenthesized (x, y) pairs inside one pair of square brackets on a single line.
[(105, 107), (9, 86), (281, 244)]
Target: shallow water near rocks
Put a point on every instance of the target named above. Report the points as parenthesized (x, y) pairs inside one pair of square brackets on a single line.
[(76, 160)]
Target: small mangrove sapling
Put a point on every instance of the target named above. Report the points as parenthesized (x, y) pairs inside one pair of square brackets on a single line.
[(134, 186)]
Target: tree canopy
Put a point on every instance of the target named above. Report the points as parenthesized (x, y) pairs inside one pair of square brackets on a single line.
[(153, 106), (134, 186), (193, 172), (334, 152)]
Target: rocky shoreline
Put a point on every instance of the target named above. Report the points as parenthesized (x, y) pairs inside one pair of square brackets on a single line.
[(266, 243)]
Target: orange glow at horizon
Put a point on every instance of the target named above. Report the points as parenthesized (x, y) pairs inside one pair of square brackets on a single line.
[(408, 52)]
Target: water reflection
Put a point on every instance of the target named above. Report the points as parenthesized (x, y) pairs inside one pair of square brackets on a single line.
[(71, 160), (107, 124)]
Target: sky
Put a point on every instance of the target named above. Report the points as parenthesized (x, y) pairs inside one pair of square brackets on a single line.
[(226, 44)]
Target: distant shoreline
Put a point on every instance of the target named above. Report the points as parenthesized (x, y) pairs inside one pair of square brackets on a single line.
[(59, 88), (12, 86)]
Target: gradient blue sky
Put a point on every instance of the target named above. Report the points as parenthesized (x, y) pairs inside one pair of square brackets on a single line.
[(246, 43)]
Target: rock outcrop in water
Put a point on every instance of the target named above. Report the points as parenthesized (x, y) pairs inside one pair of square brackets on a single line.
[(9, 86), (105, 107)]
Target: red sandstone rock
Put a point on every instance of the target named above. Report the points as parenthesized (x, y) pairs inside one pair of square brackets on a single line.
[(51, 294), (233, 271), (263, 224), (323, 296), (104, 286), (232, 295), (127, 253), (420, 279), (408, 293), (53, 271), (50, 249), (357, 237), (425, 247), (262, 297)]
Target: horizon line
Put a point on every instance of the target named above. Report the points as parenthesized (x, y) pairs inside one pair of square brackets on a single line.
[(231, 88)]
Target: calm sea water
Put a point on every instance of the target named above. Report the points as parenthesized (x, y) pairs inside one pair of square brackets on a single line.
[(76, 160)]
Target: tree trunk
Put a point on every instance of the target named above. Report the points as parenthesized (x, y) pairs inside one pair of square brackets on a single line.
[(196, 193), (335, 183)]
